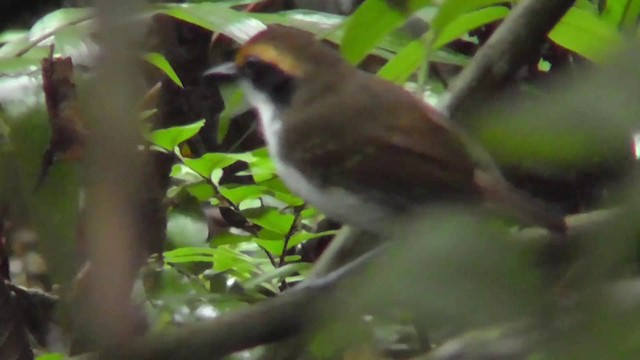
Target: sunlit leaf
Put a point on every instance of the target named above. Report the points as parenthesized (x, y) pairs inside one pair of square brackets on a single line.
[(302, 236), (15, 65), (226, 258), (234, 105), (228, 238), (409, 59), (201, 191), (159, 61), (371, 22), (207, 163), (169, 138), (586, 34), (467, 22), (309, 20), (12, 35), (262, 168), (51, 356), (614, 12), (270, 219), (189, 254), (219, 18), (277, 275), (239, 193), (631, 15), (452, 9), (249, 204), (57, 19)]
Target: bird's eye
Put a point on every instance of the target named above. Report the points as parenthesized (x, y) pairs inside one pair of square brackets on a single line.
[(252, 66), (268, 78)]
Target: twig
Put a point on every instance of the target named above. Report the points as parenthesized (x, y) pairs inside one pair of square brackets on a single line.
[(290, 233)]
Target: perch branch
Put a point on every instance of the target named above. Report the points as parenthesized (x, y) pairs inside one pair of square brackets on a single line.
[(516, 41)]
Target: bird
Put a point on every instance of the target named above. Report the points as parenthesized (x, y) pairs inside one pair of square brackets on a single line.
[(362, 150)]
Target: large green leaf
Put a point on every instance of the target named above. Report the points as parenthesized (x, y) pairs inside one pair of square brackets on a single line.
[(217, 17), (159, 61), (407, 61), (371, 22), (276, 275), (614, 11), (584, 33), (234, 105), (51, 22), (171, 137), (209, 162), (452, 9), (630, 18), (467, 22), (270, 219), (189, 254)]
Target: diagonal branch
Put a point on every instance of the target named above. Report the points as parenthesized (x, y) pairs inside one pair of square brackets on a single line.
[(513, 45)]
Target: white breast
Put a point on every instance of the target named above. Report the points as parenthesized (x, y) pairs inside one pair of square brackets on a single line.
[(335, 202)]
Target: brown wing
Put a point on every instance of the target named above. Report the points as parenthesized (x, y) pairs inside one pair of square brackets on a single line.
[(412, 156)]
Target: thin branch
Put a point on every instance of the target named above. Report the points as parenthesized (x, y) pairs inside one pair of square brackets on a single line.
[(514, 44), (290, 233), (270, 321)]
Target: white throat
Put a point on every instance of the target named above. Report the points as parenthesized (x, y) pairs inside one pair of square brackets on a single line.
[(335, 202)]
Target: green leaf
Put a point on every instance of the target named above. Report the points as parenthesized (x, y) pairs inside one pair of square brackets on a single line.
[(237, 193), (586, 34), (234, 105), (16, 65), (272, 246), (630, 19), (228, 238), (249, 204), (262, 168), (409, 59), (614, 12), (159, 61), (70, 40), (201, 191), (209, 162), (239, 26), (55, 20), (313, 21), (12, 35), (187, 226), (586, 5), (270, 219), (469, 21), (452, 9), (51, 356), (277, 275), (225, 258), (189, 254), (371, 22), (405, 63), (184, 173), (302, 236), (171, 137)]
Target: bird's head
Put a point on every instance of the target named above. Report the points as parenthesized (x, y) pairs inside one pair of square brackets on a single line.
[(280, 60)]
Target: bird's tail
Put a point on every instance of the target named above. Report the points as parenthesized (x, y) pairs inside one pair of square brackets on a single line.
[(528, 209)]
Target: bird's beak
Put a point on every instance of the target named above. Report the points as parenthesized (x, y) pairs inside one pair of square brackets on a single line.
[(226, 70)]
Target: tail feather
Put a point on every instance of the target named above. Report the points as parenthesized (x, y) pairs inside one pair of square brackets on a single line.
[(528, 209)]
